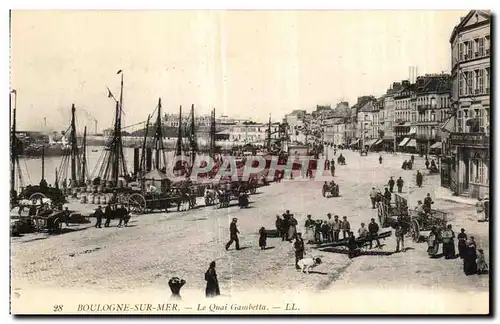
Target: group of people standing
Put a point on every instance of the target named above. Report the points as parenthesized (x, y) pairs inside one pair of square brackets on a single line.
[(327, 230), (286, 225), (473, 259), (110, 212)]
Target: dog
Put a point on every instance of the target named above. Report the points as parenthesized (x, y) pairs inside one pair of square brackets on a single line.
[(308, 263)]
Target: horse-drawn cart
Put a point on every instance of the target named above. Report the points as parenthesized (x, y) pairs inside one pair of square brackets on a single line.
[(50, 221), (413, 224), (146, 202)]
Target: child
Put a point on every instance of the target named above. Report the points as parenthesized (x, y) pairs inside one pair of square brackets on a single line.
[(482, 267), (262, 238)]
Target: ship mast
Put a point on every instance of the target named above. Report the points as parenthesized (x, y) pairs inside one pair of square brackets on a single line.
[(158, 139), (178, 149), (74, 147), (269, 135), (114, 165), (211, 149), (84, 158), (194, 143)]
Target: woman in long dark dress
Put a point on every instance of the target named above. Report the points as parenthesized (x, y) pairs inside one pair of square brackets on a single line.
[(448, 243), (462, 243), (212, 289), (470, 266)]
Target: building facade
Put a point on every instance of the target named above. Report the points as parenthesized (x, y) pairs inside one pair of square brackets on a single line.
[(468, 142), (403, 111), (433, 109)]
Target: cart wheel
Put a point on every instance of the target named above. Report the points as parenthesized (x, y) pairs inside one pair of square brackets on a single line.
[(137, 203), (415, 231), (57, 226), (37, 196)]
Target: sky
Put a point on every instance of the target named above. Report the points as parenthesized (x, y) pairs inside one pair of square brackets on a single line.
[(246, 64)]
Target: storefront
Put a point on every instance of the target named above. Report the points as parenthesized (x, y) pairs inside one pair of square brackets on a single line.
[(472, 164)]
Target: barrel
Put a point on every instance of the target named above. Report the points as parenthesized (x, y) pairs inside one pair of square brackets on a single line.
[(120, 184), (78, 195), (99, 189), (83, 199), (98, 200), (74, 191)]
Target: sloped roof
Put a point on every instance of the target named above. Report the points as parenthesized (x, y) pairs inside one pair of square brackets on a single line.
[(155, 175), (463, 21), (369, 107)]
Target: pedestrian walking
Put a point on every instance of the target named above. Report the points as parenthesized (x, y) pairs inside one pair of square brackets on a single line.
[(400, 184), (373, 229), (262, 238), (108, 212), (400, 240), (233, 235), (98, 215), (299, 250), (462, 243), (480, 210), (346, 227), (212, 288), (391, 185), (427, 163), (412, 158), (373, 196), (419, 179), (380, 159), (67, 214), (387, 196)]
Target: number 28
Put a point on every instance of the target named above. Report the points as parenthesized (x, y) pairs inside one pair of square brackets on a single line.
[(58, 308)]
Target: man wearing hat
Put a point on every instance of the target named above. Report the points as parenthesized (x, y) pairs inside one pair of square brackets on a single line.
[(233, 235)]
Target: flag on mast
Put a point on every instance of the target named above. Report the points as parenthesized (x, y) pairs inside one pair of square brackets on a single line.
[(110, 95), (119, 71)]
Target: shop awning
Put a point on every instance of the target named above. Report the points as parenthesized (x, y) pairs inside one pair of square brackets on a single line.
[(412, 143), (413, 130), (370, 142), (378, 141), (436, 145), (403, 142), (449, 125), (355, 142)]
